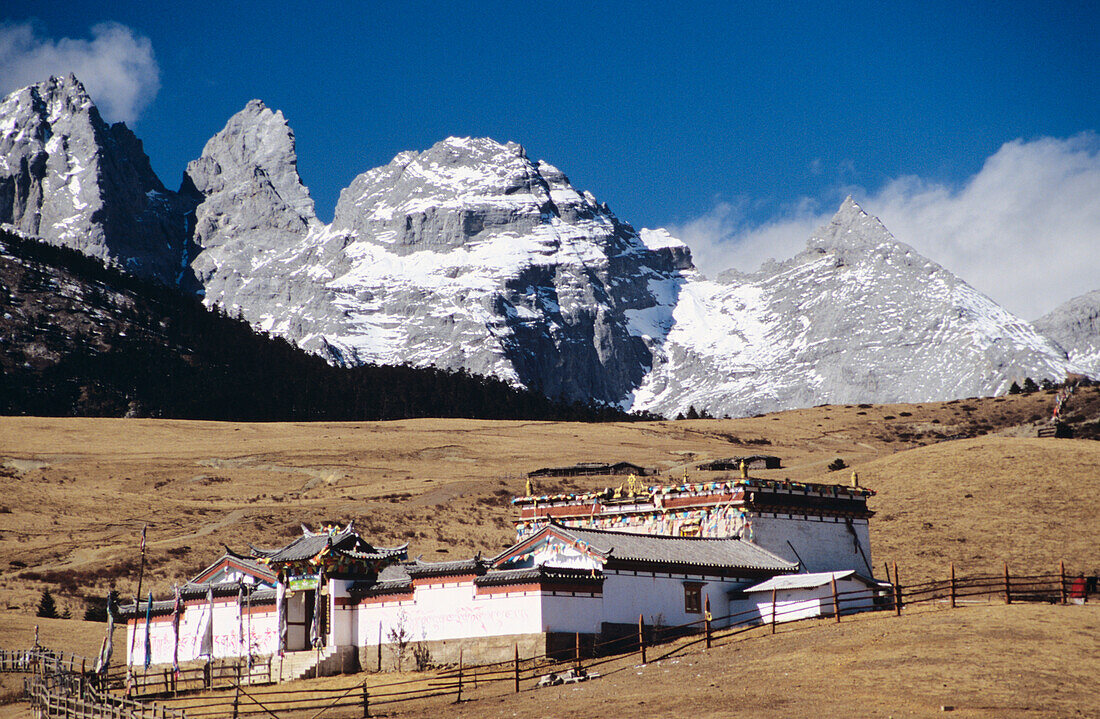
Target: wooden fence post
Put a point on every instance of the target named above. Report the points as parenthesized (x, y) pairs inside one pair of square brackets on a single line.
[(577, 650), (366, 701), (517, 668), (379, 646), (897, 591), (706, 618), (836, 600), (953, 587), (773, 610), (1008, 590), (459, 699), (641, 636), (1062, 579)]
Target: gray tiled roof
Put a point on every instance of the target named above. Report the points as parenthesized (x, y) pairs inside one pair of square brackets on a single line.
[(807, 581), (529, 574), (440, 569), (659, 549), (191, 590), (305, 547), (377, 552), (249, 563), (308, 546), (392, 578)]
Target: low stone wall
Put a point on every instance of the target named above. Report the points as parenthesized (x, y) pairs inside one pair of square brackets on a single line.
[(474, 650)]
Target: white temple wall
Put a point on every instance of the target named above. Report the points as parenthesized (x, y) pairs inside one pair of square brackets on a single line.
[(660, 598), (564, 612), (343, 618), (804, 603), (822, 544), (449, 611), (230, 626)]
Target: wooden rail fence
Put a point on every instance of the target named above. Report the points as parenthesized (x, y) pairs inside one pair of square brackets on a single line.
[(60, 685)]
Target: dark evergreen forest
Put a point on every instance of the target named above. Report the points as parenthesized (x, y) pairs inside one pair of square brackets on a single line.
[(81, 338)]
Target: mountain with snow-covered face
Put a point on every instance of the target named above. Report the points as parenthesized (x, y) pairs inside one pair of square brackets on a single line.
[(856, 317), (467, 255), (471, 255), (70, 178), (1075, 325)]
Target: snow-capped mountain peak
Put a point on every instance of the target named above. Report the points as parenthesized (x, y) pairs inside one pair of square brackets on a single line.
[(471, 255), (68, 177)]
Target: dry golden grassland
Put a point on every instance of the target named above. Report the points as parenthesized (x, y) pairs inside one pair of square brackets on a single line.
[(76, 493), (983, 661)]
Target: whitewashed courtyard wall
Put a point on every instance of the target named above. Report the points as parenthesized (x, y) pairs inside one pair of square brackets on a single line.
[(261, 632)]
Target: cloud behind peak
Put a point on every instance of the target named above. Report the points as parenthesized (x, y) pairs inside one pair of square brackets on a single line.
[(116, 66), (1023, 229)]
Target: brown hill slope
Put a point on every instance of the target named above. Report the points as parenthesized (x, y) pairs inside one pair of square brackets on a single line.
[(987, 661), (77, 491), (984, 501)]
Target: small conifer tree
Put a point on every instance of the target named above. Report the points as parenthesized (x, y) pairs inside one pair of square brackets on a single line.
[(96, 611), (1030, 386), (1014, 389), (46, 606)]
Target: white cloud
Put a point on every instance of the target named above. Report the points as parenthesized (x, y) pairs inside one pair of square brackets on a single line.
[(1025, 229), (117, 67)]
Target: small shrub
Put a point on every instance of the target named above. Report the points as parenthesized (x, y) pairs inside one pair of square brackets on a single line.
[(837, 465), (422, 656)]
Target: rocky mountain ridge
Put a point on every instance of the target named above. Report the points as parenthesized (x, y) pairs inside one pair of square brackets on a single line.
[(67, 176), (469, 255), (1075, 325)]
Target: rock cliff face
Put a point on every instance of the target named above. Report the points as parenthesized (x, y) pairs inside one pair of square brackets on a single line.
[(468, 255), (1075, 326), (251, 207), (69, 178), (471, 255)]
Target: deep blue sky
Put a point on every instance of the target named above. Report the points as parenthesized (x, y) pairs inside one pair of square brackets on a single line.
[(660, 109)]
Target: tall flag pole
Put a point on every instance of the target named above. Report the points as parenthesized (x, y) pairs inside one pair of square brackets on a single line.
[(137, 600), (207, 646), (149, 631), (240, 617), (250, 658), (176, 612), (280, 603), (104, 660)]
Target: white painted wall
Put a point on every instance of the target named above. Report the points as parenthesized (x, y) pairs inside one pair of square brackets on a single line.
[(660, 597), (443, 611), (824, 544), (570, 614), (450, 611), (228, 633), (794, 604)]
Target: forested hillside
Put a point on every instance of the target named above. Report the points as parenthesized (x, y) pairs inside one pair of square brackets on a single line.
[(83, 339)]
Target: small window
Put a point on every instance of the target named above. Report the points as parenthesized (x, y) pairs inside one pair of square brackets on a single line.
[(693, 597)]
